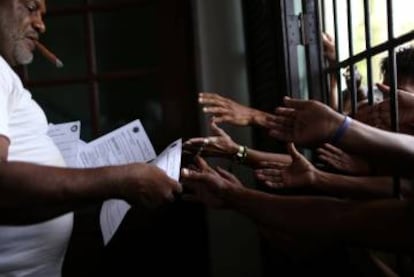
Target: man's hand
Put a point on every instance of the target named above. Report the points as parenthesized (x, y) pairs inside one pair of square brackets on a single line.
[(379, 115), (220, 144), (226, 110), (305, 122), (208, 186), (329, 48), (147, 185), (342, 161), (299, 173)]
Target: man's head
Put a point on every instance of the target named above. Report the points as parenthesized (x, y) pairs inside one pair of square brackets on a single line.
[(21, 23), (405, 69)]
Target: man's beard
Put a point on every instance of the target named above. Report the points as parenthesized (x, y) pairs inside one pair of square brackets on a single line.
[(21, 53)]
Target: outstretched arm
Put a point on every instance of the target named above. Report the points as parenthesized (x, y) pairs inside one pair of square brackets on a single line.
[(330, 55), (302, 174), (359, 224), (312, 123), (320, 218), (379, 115), (222, 145), (226, 110), (344, 162)]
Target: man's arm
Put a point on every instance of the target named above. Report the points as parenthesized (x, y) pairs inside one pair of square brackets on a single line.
[(4, 148), (312, 123), (226, 110), (359, 224), (222, 145), (331, 220), (358, 187), (32, 193), (303, 174)]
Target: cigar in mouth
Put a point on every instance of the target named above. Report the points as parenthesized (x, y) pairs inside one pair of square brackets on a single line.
[(49, 55)]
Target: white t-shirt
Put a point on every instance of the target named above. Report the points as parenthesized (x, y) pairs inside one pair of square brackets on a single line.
[(39, 249)]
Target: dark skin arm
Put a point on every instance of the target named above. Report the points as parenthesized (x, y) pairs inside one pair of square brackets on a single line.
[(296, 123), (320, 218), (226, 110), (220, 144), (302, 174), (32, 193)]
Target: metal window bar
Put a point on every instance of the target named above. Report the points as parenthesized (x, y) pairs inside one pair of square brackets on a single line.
[(351, 53), (314, 58), (375, 50), (368, 46), (92, 70), (292, 36), (326, 83), (337, 71), (370, 51), (393, 87), (323, 21), (392, 68)]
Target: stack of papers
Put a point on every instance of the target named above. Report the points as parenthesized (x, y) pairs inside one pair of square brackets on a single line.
[(128, 144)]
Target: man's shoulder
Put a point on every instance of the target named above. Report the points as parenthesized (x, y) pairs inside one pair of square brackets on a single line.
[(3, 62), (5, 68), (8, 77)]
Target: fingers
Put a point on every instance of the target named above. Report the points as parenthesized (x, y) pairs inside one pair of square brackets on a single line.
[(329, 160), (333, 149), (293, 151), (269, 172), (325, 155), (270, 177), (216, 130), (202, 164), (283, 112), (191, 177), (207, 97), (222, 118), (196, 142), (328, 37), (273, 164), (269, 121), (177, 187), (325, 38), (294, 103), (227, 175), (383, 88), (280, 134), (214, 110)]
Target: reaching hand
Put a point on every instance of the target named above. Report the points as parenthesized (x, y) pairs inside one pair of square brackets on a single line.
[(207, 185), (226, 110), (329, 48), (379, 115), (147, 184), (305, 122), (340, 160), (300, 173), (220, 144)]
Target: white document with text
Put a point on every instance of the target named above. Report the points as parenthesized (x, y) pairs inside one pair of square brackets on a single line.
[(66, 137), (127, 144), (113, 211)]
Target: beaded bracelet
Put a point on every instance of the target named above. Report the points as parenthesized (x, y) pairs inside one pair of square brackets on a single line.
[(340, 132)]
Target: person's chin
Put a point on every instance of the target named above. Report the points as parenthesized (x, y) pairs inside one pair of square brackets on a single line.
[(23, 55)]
